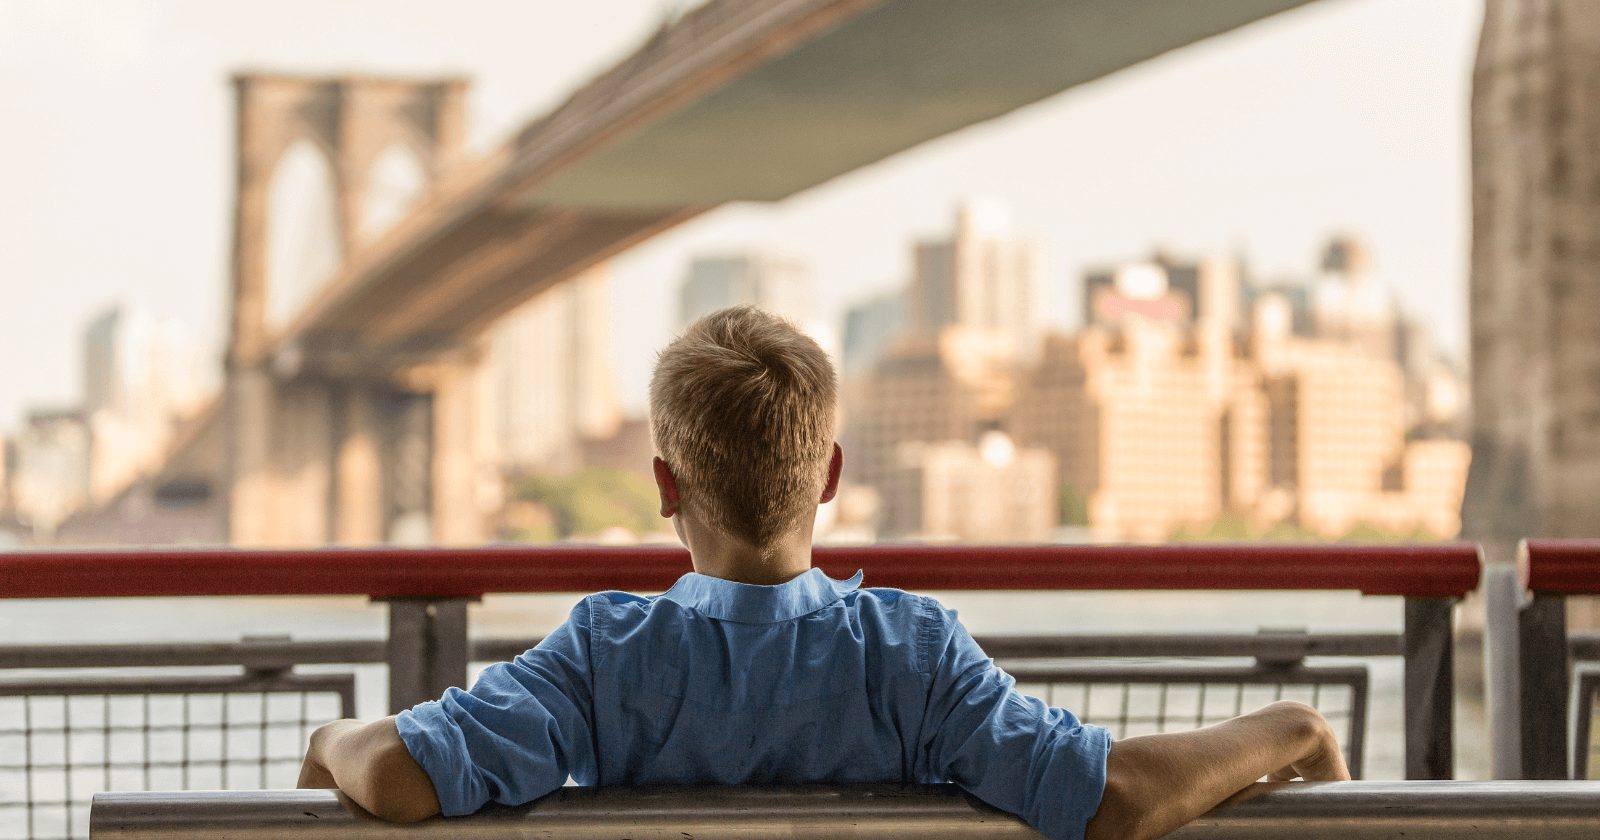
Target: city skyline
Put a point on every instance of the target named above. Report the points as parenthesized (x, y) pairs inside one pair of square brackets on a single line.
[(909, 195), (546, 404)]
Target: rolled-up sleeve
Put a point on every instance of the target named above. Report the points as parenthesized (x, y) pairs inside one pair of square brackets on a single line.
[(1008, 749), (525, 726)]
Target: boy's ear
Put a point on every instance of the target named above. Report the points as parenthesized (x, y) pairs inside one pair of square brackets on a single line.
[(667, 486), (835, 465)]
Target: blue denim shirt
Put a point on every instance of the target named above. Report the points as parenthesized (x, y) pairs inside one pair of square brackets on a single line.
[(716, 682)]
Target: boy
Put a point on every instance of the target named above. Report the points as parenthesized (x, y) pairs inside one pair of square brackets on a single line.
[(757, 668)]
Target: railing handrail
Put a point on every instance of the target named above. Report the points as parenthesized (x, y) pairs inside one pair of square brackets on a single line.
[(1434, 570), (1563, 567), (1346, 810)]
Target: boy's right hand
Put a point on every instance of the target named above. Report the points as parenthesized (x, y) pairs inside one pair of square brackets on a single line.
[(1322, 761)]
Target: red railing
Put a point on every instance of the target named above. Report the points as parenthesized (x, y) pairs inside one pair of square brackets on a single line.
[(1564, 567), (1428, 571), (427, 590)]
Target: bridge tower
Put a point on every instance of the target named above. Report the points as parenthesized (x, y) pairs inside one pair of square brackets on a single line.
[(1535, 285), (320, 454)]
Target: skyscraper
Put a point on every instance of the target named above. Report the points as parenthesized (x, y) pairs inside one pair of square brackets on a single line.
[(869, 329), (948, 388), (141, 375), (773, 282), (1166, 289), (138, 367), (988, 491), (51, 463), (548, 379), (1144, 421), (1349, 305), (981, 278), (5, 476)]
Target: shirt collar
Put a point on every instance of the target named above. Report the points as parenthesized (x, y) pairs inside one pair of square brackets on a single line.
[(750, 603)]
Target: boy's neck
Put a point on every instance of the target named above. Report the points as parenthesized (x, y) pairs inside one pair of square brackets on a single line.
[(720, 556)]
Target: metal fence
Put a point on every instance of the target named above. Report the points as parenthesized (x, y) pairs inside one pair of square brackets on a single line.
[(64, 739), (100, 732), (1150, 698)]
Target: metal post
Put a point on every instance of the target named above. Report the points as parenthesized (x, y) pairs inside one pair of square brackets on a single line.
[(1545, 678), (1429, 689), (1505, 594), (427, 651), (1359, 693), (1588, 682)]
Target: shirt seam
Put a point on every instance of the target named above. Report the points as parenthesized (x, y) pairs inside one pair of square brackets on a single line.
[(927, 637), (777, 619), (594, 629)]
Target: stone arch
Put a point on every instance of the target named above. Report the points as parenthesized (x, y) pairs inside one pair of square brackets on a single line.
[(303, 242), (394, 182)]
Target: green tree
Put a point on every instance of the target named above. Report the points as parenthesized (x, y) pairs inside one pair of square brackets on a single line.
[(1072, 506), (589, 501)]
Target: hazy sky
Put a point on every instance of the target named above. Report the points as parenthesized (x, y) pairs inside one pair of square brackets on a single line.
[(116, 157)]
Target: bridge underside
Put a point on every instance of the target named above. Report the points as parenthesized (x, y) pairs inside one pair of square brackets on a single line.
[(734, 102), (896, 75), (353, 425)]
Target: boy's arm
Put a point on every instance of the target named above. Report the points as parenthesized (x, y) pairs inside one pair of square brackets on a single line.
[(519, 733), (370, 763), (1157, 783)]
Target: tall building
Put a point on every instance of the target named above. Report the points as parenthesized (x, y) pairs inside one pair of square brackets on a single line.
[(946, 388), (1166, 289), (5, 475), (988, 491), (775, 283), (1336, 431), (982, 278), (50, 469), (12, 531), (1176, 407), (1535, 285), (548, 381), (136, 365), (870, 327), (1138, 421), (1349, 305), (141, 376), (1160, 425)]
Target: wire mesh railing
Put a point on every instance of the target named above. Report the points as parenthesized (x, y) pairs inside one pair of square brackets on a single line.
[(63, 740), (1145, 699)]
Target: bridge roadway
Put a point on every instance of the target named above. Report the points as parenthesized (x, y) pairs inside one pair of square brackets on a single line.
[(739, 100)]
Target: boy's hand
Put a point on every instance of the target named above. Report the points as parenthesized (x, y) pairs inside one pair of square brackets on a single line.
[(314, 772), (371, 765), (1323, 761)]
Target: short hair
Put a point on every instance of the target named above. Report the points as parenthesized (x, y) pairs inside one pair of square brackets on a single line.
[(742, 410)]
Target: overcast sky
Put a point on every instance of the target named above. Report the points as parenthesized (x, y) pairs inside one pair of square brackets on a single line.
[(116, 156)]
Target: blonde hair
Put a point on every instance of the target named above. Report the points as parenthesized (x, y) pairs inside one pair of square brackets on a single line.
[(742, 411)]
